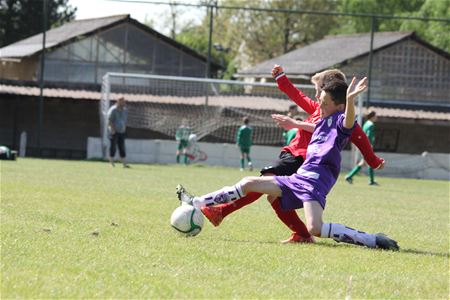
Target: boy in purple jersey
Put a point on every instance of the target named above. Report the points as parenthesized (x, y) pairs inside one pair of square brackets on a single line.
[(309, 187)]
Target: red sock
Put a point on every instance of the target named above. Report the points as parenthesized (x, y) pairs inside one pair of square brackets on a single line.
[(228, 208), (290, 219)]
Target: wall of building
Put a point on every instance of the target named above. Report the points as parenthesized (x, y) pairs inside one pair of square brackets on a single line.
[(429, 166), (24, 69), (67, 123), (406, 71)]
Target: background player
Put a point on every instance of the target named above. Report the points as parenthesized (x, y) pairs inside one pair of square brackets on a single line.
[(182, 137), (244, 141), (369, 130)]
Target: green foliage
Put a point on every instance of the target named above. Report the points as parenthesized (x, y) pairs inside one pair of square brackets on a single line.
[(20, 19), (74, 229), (261, 35), (436, 33)]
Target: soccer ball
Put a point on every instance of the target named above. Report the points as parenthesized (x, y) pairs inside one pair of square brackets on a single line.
[(187, 220)]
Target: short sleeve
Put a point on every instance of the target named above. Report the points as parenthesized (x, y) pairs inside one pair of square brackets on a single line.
[(340, 126)]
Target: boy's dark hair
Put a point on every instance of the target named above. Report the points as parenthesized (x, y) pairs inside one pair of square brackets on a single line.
[(246, 120), (371, 114), (337, 89), (293, 106)]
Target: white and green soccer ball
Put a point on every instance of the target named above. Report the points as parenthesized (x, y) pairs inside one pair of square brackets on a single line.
[(187, 220)]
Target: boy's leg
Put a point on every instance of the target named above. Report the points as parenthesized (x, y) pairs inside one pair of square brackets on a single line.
[(122, 152), (352, 173), (186, 157), (291, 220), (112, 148), (217, 213), (249, 160), (242, 159), (372, 177), (341, 233), (264, 185)]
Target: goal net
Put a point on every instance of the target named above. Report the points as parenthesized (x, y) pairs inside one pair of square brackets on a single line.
[(212, 108)]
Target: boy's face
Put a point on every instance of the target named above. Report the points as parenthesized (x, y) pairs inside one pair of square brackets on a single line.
[(327, 105), (318, 90)]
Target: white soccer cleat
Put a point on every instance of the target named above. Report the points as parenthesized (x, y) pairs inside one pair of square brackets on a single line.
[(183, 195)]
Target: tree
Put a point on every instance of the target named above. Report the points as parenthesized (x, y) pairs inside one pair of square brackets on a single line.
[(437, 33), (387, 7), (20, 19), (434, 32)]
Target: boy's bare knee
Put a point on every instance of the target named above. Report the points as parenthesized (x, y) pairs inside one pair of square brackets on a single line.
[(314, 228), (271, 199)]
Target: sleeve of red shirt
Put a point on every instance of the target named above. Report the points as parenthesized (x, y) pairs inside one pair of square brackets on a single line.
[(286, 86), (360, 140)]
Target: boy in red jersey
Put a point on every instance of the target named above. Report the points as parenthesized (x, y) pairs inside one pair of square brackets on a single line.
[(293, 155), (309, 186)]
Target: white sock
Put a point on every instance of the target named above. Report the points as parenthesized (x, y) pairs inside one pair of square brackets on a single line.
[(341, 233), (226, 194)]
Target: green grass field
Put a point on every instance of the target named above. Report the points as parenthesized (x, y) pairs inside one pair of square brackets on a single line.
[(72, 229)]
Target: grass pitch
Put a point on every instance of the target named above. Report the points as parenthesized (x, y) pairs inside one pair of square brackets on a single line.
[(87, 230)]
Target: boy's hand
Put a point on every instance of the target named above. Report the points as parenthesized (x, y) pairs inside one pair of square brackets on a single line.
[(284, 121), (353, 91), (277, 69)]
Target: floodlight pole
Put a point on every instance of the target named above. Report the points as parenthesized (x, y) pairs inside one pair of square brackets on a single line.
[(41, 79), (369, 73), (208, 59)]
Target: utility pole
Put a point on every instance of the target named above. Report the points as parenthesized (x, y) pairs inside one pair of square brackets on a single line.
[(41, 79)]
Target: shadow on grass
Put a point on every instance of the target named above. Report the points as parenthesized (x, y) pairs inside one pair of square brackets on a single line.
[(322, 244), (427, 253)]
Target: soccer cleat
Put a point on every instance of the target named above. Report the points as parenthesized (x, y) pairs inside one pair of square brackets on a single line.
[(213, 214), (241, 169), (183, 195), (382, 241), (374, 183), (349, 180), (296, 238), (250, 166)]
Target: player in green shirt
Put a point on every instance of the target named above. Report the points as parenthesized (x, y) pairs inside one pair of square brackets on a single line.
[(291, 133), (369, 130), (182, 136), (244, 138)]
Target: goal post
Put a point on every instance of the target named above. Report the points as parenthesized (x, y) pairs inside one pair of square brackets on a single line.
[(212, 108)]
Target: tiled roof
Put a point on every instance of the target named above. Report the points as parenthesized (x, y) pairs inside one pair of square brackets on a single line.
[(82, 28), (325, 53), (265, 103), (58, 35)]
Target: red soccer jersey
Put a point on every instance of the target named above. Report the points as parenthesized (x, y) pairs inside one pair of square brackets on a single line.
[(301, 141)]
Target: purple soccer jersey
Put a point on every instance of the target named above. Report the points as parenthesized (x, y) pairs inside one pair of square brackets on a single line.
[(319, 172)]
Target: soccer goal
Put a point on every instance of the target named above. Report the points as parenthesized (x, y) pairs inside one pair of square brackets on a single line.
[(212, 108)]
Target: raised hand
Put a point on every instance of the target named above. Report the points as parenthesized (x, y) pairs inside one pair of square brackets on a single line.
[(353, 91), (277, 69), (284, 121)]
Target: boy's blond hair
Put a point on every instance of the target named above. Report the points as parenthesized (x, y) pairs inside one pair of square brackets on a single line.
[(323, 77)]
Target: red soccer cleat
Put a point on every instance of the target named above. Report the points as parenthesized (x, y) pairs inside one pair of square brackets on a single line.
[(213, 214), (296, 238)]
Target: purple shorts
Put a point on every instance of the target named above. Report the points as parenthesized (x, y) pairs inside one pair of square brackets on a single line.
[(295, 191)]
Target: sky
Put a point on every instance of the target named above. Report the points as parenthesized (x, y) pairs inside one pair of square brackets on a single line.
[(87, 9)]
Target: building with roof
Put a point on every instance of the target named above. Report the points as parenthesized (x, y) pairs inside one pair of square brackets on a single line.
[(406, 70), (409, 84), (77, 55), (82, 51)]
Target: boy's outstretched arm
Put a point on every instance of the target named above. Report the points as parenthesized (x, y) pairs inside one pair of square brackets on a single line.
[(288, 123), (360, 140), (349, 120), (286, 86)]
